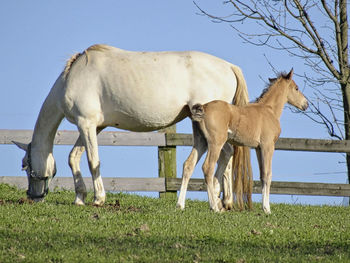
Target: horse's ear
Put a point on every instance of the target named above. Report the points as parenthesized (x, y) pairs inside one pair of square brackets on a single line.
[(22, 146), (290, 74), (272, 80)]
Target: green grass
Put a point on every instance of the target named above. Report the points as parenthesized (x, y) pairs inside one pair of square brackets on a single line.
[(131, 228)]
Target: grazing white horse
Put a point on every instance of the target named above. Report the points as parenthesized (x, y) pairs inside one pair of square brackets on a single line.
[(137, 91)]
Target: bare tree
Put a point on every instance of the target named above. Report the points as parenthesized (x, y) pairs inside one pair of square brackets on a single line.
[(314, 31)]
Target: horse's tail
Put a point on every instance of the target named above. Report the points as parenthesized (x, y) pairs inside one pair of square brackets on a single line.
[(241, 97), (197, 112), (242, 175)]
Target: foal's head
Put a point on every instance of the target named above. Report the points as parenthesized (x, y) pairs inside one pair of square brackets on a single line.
[(294, 96)]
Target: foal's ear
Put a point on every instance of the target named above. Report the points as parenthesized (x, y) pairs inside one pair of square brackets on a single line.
[(290, 74)]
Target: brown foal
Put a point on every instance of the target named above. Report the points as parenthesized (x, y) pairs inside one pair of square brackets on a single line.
[(256, 125)]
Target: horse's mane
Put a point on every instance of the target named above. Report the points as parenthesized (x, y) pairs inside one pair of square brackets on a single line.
[(270, 84), (72, 59), (69, 64)]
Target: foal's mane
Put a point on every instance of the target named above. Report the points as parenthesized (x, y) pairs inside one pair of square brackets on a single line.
[(280, 75)]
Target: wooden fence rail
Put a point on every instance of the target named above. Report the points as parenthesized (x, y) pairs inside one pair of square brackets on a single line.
[(112, 138), (162, 185)]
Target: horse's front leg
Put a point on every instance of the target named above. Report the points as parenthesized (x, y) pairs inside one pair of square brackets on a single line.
[(74, 163), (89, 137), (199, 148), (264, 155), (223, 176)]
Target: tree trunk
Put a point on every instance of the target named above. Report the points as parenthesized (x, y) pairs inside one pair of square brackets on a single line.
[(346, 104), (344, 67)]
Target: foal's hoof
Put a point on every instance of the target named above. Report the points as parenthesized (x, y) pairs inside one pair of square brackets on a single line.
[(228, 205), (267, 211), (223, 210), (218, 210), (218, 207), (180, 207)]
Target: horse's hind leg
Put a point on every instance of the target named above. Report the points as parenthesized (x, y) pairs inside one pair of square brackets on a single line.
[(199, 148), (74, 163), (223, 176), (89, 138), (208, 170)]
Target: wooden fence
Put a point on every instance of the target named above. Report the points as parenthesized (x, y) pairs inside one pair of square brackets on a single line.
[(167, 183)]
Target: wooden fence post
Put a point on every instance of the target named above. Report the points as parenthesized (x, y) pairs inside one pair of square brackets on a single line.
[(167, 162)]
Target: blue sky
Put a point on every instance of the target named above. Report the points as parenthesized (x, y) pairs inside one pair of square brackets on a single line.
[(37, 37)]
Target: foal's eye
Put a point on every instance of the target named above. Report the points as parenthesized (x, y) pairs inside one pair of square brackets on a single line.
[(296, 88)]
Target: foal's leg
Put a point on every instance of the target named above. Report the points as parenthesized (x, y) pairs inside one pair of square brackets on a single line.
[(208, 170), (223, 176), (73, 161), (264, 155), (89, 137), (199, 148)]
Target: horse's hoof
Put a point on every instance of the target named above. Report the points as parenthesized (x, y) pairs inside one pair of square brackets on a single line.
[(98, 202), (79, 202)]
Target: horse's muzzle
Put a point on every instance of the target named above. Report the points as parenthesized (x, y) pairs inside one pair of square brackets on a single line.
[(37, 188)]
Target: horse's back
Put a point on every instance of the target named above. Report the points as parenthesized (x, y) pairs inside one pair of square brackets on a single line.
[(144, 90)]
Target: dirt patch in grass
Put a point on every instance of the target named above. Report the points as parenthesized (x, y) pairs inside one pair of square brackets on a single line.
[(20, 201), (117, 207)]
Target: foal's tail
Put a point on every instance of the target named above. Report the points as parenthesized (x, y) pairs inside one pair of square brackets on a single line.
[(197, 112), (242, 175)]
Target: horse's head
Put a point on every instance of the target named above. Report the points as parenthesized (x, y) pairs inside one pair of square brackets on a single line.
[(294, 96), (40, 172)]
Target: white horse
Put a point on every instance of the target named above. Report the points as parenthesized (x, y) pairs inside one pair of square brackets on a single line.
[(137, 91)]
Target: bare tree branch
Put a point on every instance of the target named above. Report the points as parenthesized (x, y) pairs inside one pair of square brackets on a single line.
[(315, 32), (287, 25)]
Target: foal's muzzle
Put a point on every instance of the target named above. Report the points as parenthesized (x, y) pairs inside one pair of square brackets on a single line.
[(305, 106)]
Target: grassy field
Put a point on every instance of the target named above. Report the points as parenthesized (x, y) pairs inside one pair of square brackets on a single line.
[(131, 228)]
